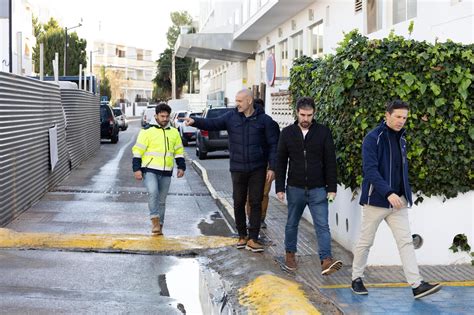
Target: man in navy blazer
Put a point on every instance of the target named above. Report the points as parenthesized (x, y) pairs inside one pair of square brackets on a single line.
[(253, 140), (386, 194)]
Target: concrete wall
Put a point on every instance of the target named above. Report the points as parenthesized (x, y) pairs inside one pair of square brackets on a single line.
[(436, 222)]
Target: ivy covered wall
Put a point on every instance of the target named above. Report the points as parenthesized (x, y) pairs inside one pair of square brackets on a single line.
[(351, 87)]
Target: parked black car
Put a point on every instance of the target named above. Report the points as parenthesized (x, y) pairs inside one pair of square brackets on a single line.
[(109, 128), (208, 141)]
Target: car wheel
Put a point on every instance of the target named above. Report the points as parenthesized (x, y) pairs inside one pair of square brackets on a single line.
[(185, 142), (115, 138), (201, 155)]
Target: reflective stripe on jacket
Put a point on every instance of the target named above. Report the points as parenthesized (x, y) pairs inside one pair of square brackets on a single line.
[(157, 147)]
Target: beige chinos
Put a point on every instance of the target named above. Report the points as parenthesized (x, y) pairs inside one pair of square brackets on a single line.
[(397, 220)]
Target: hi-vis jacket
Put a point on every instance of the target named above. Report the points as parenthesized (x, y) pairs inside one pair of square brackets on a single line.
[(156, 148)]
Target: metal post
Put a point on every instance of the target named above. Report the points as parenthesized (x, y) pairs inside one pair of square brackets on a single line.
[(65, 52), (90, 82), (10, 35), (85, 82), (80, 76), (41, 61), (173, 77), (56, 67), (19, 53)]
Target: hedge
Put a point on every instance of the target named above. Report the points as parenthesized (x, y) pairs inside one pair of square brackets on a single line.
[(351, 88)]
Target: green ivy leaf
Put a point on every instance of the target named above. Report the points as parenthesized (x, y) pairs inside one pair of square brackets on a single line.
[(435, 88), (346, 63), (422, 88), (431, 111), (440, 102), (471, 132)]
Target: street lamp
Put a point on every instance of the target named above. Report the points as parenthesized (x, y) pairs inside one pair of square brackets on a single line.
[(65, 46), (90, 58)]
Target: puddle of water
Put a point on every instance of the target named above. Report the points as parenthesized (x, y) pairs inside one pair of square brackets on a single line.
[(182, 284), (215, 225)]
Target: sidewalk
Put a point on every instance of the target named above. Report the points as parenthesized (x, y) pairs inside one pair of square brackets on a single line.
[(388, 291)]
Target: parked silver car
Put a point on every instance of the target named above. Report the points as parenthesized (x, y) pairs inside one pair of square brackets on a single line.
[(121, 119)]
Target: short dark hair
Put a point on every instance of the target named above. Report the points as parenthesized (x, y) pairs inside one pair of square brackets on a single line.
[(259, 103), (162, 107), (395, 104), (305, 102)]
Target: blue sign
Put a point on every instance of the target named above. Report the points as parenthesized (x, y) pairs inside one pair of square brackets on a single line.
[(104, 98)]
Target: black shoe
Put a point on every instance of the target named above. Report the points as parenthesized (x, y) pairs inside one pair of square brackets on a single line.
[(358, 287), (263, 225), (425, 289)]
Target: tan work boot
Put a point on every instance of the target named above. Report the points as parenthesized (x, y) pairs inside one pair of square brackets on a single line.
[(254, 246), (242, 242), (330, 266), (156, 226), (290, 261)]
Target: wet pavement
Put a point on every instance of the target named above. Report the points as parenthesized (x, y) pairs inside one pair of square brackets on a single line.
[(115, 266), (100, 208)]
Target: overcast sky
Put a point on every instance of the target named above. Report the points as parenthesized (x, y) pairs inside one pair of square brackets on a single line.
[(139, 23)]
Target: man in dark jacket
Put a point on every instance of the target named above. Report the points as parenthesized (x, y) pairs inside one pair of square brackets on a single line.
[(253, 139), (311, 181), (386, 194)]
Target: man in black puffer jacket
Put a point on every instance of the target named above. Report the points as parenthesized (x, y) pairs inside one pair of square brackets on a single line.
[(311, 181), (253, 139)]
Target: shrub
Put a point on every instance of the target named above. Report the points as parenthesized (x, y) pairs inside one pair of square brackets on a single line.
[(351, 87)]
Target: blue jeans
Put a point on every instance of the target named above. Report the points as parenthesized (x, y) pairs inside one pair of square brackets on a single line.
[(158, 187), (316, 200)]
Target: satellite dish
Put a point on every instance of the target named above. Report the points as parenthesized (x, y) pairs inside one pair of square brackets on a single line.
[(270, 70)]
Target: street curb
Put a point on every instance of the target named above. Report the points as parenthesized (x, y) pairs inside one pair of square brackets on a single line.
[(224, 206)]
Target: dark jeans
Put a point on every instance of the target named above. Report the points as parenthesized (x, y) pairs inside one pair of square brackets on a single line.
[(253, 183)]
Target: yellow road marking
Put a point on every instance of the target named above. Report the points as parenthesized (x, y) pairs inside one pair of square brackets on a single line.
[(467, 283), (270, 294), (124, 242)]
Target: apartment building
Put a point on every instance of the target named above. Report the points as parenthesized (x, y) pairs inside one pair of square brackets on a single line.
[(23, 39), (130, 69), (251, 43)]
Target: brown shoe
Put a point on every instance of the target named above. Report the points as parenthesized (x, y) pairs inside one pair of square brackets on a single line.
[(330, 266), (290, 261), (242, 242), (156, 226), (254, 246)]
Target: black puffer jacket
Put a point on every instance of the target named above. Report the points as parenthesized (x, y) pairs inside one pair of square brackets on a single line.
[(312, 159), (252, 140)]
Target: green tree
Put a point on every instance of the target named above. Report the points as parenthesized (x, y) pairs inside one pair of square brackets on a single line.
[(162, 80), (52, 36), (105, 89), (178, 19)]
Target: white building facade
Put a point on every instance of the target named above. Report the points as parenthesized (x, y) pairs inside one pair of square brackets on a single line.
[(132, 68), (258, 39), (23, 39)]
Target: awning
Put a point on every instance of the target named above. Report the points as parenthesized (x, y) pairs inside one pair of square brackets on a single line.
[(267, 19), (214, 46)]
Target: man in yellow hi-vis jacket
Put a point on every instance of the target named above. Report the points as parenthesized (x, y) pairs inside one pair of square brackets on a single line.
[(154, 153)]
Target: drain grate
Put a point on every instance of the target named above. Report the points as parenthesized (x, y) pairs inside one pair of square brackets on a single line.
[(122, 192)]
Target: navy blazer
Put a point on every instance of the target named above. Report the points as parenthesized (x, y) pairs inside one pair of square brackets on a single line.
[(253, 140)]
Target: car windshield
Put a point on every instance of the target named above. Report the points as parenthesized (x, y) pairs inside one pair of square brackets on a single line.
[(216, 112), (117, 111)]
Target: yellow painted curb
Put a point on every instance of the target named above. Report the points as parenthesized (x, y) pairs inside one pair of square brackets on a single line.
[(119, 242), (270, 294), (468, 283)]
